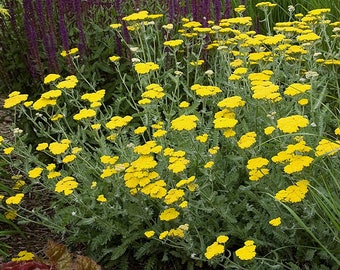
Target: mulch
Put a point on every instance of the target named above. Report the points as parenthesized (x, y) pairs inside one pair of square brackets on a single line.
[(34, 236)]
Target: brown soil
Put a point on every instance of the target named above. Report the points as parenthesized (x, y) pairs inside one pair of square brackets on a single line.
[(35, 236)]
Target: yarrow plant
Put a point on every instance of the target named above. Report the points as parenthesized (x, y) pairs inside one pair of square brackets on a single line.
[(216, 161)]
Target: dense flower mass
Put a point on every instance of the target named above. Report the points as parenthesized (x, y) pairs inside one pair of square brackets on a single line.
[(205, 124)]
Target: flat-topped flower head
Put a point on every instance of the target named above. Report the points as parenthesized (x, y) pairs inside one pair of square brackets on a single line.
[(51, 78), (247, 252), (264, 5), (184, 122), (292, 123), (144, 68), (14, 99)]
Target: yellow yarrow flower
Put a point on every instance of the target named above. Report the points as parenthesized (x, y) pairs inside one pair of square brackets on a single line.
[(247, 140), (101, 198), (149, 234), (8, 150), (173, 43), (84, 113), (69, 82), (169, 214), (56, 117), (184, 122), (203, 91), (14, 99), (265, 5), (69, 158), (118, 121), (66, 185), (57, 148), (275, 222), (41, 146), (51, 78), (35, 173), (69, 52), (144, 68), (202, 138), (327, 147), (15, 199), (213, 250), (292, 123), (297, 88), (114, 58), (23, 256), (269, 130), (294, 193), (247, 252), (231, 102)]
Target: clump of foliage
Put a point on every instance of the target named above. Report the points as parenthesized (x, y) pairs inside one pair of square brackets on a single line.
[(221, 158)]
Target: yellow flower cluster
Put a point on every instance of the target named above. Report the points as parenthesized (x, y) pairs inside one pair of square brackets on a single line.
[(292, 156), (217, 247), (247, 252), (66, 185), (297, 88), (263, 88), (69, 82), (275, 221), (203, 91), (141, 16), (58, 148), (15, 199), (256, 167), (118, 122), (144, 68), (153, 91), (69, 52), (23, 256), (226, 121), (184, 122), (247, 140), (14, 99), (294, 193), (327, 147), (169, 214), (291, 124), (84, 113), (177, 160), (173, 43), (94, 98)]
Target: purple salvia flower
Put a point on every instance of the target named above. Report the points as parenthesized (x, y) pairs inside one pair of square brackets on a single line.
[(82, 42), (171, 9), (52, 34), (12, 6), (228, 8), (30, 29), (194, 9), (45, 35), (62, 25), (117, 6), (217, 8), (205, 12)]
